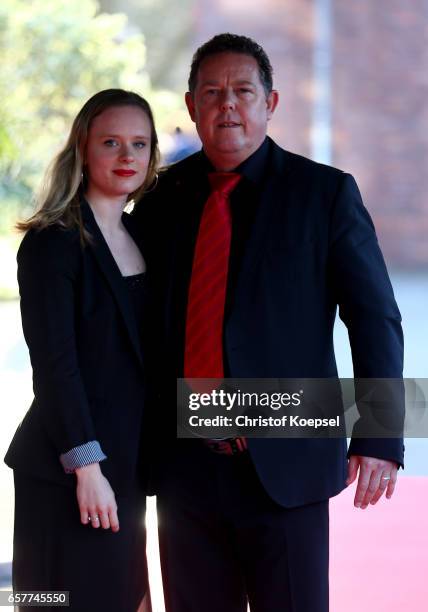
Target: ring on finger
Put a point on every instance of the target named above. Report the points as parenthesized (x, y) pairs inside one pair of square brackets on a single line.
[(386, 477)]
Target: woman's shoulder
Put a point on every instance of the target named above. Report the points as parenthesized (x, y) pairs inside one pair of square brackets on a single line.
[(54, 242), (54, 235)]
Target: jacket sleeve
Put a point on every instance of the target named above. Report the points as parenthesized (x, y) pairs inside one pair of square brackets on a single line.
[(48, 267), (82, 455), (368, 308)]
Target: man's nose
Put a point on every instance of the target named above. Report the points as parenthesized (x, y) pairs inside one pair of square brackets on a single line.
[(227, 101)]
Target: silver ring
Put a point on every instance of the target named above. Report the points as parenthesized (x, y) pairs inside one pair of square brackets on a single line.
[(96, 518), (386, 477)]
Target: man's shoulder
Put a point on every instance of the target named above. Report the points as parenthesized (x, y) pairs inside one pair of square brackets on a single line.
[(287, 161), (180, 169)]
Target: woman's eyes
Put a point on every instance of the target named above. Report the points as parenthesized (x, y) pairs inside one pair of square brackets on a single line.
[(138, 144)]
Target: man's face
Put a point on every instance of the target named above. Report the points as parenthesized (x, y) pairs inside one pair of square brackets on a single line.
[(230, 108)]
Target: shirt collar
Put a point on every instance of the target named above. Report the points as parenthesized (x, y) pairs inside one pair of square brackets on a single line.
[(252, 168)]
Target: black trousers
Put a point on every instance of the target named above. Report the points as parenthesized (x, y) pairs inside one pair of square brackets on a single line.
[(52, 550), (224, 542)]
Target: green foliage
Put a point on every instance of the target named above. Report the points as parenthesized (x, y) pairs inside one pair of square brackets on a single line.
[(168, 31), (55, 54)]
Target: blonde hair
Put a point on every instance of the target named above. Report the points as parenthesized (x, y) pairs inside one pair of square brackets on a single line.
[(58, 201)]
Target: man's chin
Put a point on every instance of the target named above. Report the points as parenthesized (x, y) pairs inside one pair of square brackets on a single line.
[(230, 146)]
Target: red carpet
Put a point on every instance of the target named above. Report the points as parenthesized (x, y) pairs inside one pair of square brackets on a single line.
[(379, 556)]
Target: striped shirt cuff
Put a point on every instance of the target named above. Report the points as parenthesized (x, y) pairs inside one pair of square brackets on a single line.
[(85, 454)]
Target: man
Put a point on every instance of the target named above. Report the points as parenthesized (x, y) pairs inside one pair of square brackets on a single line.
[(256, 247)]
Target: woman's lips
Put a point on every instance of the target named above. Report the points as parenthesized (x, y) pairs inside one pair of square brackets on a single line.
[(124, 173)]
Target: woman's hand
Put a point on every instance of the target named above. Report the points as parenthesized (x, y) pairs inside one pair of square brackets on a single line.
[(96, 499)]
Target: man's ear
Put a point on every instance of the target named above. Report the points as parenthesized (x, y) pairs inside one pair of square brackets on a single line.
[(271, 103), (190, 105)]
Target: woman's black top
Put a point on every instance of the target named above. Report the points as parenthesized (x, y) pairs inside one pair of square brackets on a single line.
[(137, 288)]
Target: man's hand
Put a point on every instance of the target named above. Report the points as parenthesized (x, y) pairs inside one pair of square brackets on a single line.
[(376, 476), (96, 499)]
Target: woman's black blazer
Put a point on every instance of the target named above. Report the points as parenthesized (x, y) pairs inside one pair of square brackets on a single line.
[(86, 354)]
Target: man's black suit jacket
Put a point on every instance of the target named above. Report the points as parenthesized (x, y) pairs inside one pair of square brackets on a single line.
[(312, 248), (85, 350)]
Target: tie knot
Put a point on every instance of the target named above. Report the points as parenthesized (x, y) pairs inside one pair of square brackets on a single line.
[(224, 182)]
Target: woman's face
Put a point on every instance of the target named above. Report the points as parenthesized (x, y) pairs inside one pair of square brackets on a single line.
[(117, 152)]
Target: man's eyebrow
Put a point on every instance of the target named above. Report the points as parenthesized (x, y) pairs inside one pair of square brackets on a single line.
[(237, 81)]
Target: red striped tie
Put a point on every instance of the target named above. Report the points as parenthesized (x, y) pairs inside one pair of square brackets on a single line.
[(203, 356)]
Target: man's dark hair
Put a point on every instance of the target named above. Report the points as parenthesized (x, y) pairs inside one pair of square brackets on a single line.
[(232, 43)]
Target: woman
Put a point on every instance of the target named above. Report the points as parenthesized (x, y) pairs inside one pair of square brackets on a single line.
[(79, 492)]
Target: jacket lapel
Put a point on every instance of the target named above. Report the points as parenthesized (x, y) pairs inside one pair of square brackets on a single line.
[(110, 270), (188, 194), (274, 192)]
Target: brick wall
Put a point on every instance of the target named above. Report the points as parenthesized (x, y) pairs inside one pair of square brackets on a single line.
[(379, 95), (381, 118)]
